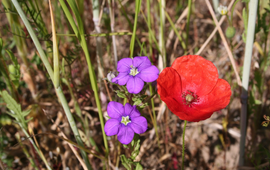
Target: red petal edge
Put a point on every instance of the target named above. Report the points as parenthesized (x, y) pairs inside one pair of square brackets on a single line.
[(169, 88)]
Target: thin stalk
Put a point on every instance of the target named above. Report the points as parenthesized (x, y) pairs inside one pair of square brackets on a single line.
[(132, 41), (253, 4), (151, 34), (215, 4), (20, 44), (5, 72), (214, 31), (149, 26), (224, 42), (34, 38), (129, 23), (80, 35), (35, 146), (154, 114), (162, 55), (72, 124), (176, 32), (26, 152), (96, 21), (51, 74), (183, 146), (111, 8), (188, 20), (56, 77)]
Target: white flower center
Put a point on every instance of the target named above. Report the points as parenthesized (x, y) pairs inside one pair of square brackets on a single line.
[(125, 120), (133, 71)]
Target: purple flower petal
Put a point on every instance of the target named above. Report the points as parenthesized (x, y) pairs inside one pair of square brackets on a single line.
[(115, 110), (125, 134), (135, 85), (149, 74), (138, 124), (112, 127), (134, 113), (141, 63), (124, 65), (128, 109), (121, 79)]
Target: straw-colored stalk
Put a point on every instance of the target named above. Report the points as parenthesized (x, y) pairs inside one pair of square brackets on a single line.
[(111, 8)]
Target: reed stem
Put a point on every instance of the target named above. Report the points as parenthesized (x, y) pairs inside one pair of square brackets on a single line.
[(253, 5)]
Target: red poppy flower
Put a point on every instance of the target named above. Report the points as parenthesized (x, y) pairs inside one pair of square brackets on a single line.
[(191, 88)]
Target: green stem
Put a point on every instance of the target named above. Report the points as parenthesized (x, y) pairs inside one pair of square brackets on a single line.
[(26, 152), (183, 146), (132, 42), (162, 56), (35, 146), (154, 113), (188, 20)]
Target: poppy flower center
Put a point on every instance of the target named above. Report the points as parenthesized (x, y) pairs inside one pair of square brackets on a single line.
[(133, 71), (125, 120), (189, 97)]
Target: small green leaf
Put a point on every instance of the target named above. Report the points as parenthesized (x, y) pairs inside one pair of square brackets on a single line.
[(11, 103), (137, 102), (120, 94), (258, 102), (138, 166), (126, 146), (125, 162), (28, 120), (25, 113), (265, 123), (13, 59)]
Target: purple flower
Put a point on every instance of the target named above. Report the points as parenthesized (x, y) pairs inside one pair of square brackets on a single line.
[(125, 121), (134, 72)]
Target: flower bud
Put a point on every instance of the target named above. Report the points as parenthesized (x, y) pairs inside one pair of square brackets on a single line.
[(110, 76), (230, 32)]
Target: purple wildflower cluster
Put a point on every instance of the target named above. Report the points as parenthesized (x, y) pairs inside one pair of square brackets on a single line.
[(126, 120)]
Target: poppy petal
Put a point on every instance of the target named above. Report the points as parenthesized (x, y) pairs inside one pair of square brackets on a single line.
[(217, 99), (125, 134), (112, 127), (135, 85), (169, 83), (197, 74), (141, 62), (169, 88), (138, 124), (190, 113), (115, 110), (149, 74), (121, 79), (124, 65)]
